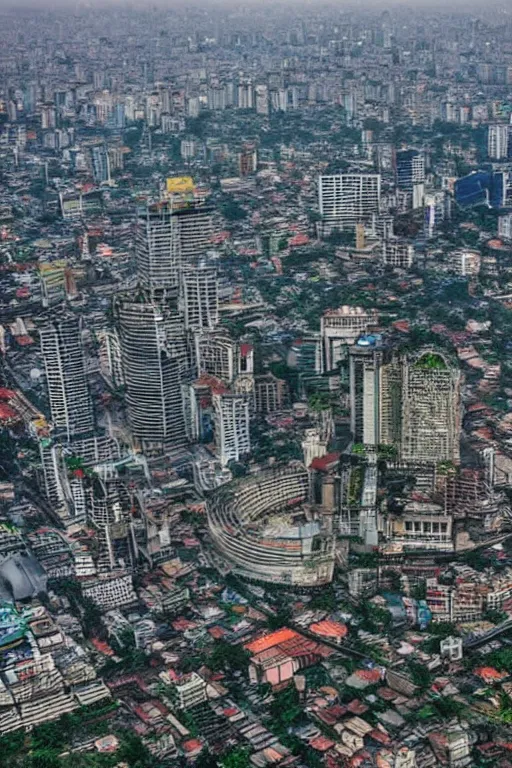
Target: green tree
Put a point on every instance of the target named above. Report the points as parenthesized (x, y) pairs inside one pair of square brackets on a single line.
[(44, 758), (232, 210), (134, 752), (235, 758), (226, 656), (420, 675), (281, 618), (285, 708)]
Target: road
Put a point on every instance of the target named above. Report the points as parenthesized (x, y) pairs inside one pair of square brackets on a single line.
[(476, 642)]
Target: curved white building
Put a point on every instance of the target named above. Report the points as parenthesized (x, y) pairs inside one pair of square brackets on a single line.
[(154, 357), (266, 529)]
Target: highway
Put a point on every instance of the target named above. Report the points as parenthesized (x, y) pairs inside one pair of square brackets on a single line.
[(476, 642)]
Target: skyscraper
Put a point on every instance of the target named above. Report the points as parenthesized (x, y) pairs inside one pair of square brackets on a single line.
[(100, 163), (410, 169), (348, 199), (410, 401), (68, 392), (200, 296), (340, 328), (430, 408), (215, 353), (171, 236), (231, 416), (154, 357), (497, 142), (365, 358)]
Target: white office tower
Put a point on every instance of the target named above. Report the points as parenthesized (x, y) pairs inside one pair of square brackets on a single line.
[(348, 199), (418, 195), (497, 142), (215, 355), (70, 401), (262, 103), (200, 297), (365, 364), (245, 94), (217, 98), (231, 418), (505, 226), (437, 209), (340, 328), (171, 235), (154, 357)]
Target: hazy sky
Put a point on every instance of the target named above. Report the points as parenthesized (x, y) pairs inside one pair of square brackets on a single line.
[(469, 5)]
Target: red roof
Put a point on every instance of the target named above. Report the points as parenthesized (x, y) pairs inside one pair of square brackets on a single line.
[(217, 632), (7, 413), (401, 325), (380, 736), (321, 744), (329, 629), (298, 240), (215, 384), (357, 707), (24, 341), (323, 463), (191, 745), (271, 640)]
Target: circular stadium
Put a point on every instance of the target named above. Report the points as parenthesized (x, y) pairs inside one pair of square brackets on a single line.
[(265, 528)]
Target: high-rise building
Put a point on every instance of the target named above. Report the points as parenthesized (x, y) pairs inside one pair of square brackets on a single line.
[(498, 141), (108, 512), (215, 355), (481, 188), (410, 169), (217, 98), (397, 254), (420, 406), (109, 354), (348, 199), (68, 392), (430, 408), (409, 401), (200, 293), (171, 235), (231, 417), (154, 358), (340, 328), (262, 104), (365, 358), (437, 209), (247, 160), (100, 163), (245, 94), (270, 393), (505, 226)]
